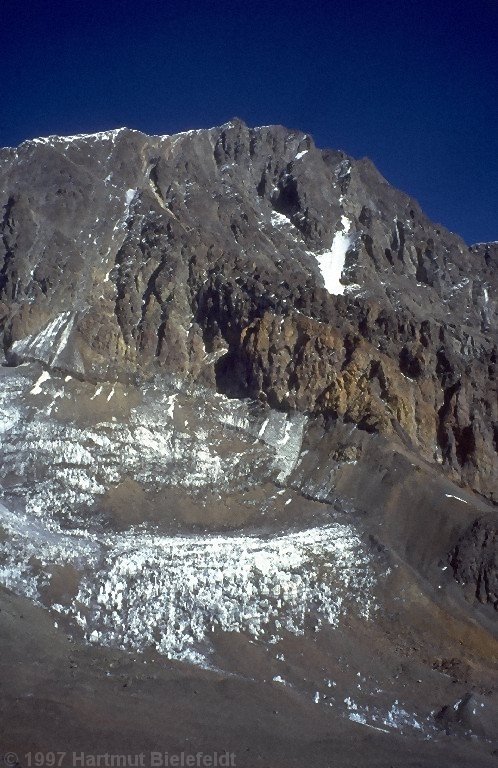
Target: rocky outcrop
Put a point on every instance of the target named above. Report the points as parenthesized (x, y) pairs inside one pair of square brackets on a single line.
[(475, 560), (209, 255)]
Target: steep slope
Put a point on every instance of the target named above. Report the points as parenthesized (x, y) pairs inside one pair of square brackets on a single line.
[(248, 425)]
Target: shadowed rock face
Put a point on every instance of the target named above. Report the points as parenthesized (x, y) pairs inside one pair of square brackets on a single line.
[(206, 254), (475, 560)]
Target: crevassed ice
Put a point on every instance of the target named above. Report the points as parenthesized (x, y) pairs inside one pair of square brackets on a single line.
[(139, 590), (64, 467), (9, 413), (171, 593)]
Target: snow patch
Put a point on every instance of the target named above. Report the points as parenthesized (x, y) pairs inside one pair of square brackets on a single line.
[(54, 336), (54, 140), (331, 263), (458, 498), (279, 220), (37, 389), (130, 196)]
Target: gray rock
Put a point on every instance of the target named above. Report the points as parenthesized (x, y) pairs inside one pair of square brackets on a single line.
[(475, 560)]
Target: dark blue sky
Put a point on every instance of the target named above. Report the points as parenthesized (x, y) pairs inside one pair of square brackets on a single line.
[(413, 85)]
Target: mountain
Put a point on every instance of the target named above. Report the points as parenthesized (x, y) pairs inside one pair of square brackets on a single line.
[(249, 437)]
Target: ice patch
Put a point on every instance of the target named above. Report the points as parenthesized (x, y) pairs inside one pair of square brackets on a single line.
[(48, 344), (458, 498), (284, 433), (279, 220), (130, 195), (9, 416), (97, 392), (397, 718), (171, 406), (331, 263), (37, 389)]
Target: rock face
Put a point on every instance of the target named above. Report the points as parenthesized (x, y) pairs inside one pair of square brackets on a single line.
[(252, 262), (475, 560)]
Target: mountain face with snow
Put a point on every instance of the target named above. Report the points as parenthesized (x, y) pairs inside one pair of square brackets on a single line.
[(249, 410), (252, 262)]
